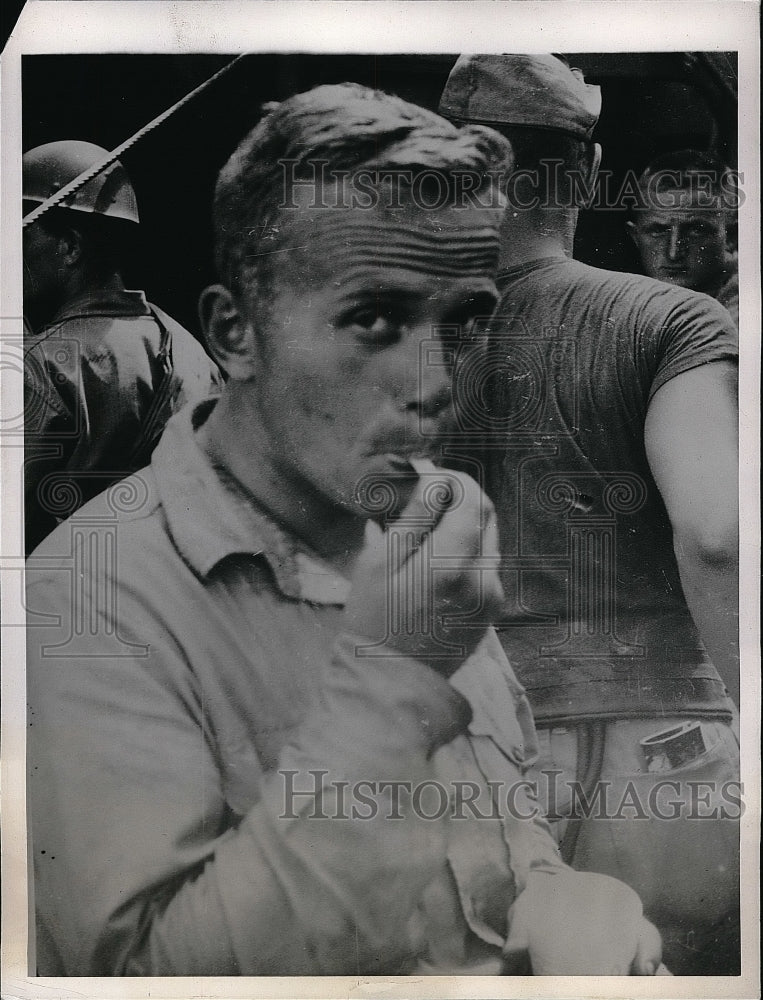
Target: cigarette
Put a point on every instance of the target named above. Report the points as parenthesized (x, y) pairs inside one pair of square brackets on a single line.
[(422, 465)]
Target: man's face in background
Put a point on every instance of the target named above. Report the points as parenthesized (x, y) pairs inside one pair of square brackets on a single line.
[(684, 245)]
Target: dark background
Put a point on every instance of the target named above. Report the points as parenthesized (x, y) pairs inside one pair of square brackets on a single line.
[(10, 11), (652, 103)]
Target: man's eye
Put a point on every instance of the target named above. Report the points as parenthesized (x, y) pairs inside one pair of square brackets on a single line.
[(375, 327)]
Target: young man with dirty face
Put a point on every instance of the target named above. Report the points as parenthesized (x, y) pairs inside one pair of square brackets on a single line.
[(264, 685)]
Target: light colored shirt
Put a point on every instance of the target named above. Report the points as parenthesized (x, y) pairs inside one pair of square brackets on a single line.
[(187, 668)]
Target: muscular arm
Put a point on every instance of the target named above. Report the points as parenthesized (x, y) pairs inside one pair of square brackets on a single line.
[(691, 441)]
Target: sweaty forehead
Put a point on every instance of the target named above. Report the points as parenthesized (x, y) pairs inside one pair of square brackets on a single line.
[(318, 245)]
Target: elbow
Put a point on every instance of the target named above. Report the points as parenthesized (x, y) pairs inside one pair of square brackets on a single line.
[(714, 545)]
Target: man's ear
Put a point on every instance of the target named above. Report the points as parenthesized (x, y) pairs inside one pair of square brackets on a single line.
[(71, 246), (229, 336)]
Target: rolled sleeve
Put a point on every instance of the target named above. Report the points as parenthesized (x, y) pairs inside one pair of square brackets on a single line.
[(499, 835)]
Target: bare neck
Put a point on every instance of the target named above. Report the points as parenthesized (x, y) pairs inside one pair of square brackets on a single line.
[(82, 282), (534, 234)]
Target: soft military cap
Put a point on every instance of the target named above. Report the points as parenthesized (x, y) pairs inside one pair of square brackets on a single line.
[(534, 90)]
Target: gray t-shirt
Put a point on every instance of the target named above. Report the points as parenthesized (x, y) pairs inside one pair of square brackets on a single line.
[(597, 622)]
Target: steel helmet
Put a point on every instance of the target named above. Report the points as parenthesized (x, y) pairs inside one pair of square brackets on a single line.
[(46, 169)]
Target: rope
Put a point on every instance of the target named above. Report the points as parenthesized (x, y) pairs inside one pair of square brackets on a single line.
[(87, 175)]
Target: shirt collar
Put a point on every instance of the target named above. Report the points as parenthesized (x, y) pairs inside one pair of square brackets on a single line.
[(103, 301), (527, 266), (210, 517)]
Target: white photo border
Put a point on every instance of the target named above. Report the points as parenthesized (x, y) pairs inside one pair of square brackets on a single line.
[(363, 26)]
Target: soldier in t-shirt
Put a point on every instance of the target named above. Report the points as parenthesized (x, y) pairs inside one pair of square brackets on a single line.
[(608, 442)]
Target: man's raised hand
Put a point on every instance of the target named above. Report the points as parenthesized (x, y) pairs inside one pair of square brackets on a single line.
[(427, 584)]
